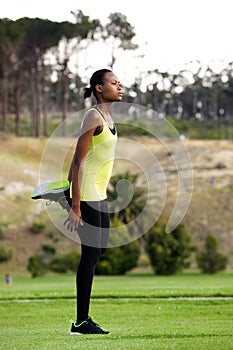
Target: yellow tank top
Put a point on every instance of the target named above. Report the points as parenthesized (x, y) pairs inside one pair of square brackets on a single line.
[(98, 164)]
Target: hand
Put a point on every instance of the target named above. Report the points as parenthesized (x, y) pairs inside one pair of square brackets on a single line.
[(73, 220)]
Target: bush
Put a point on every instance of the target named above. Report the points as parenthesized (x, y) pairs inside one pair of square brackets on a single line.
[(168, 252), (123, 256), (118, 260), (36, 266), (5, 254), (39, 264), (49, 249), (211, 260), (3, 228), (45, 260), (57, 265), (71, 260), (68, 262), (38, 224)]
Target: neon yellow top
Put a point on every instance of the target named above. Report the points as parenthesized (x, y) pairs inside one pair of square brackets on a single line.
[(98, 164)]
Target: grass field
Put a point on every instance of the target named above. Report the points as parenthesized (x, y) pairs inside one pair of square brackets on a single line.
[(141, 311)]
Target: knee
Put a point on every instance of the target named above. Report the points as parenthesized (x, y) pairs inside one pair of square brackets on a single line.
[(97, 254)]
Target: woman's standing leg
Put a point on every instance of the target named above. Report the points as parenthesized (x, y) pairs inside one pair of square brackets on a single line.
[(84, 279), (94, 237)]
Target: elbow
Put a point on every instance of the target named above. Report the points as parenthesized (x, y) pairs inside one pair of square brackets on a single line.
[(76, 163)]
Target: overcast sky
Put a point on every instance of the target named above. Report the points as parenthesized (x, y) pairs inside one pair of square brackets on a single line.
[(169, 32)]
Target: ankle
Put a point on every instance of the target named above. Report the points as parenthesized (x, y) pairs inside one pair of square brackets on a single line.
[(80, 321)]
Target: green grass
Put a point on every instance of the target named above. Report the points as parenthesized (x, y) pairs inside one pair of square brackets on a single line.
[(193, 128), (135, 308), (129, 286), (133, 324)]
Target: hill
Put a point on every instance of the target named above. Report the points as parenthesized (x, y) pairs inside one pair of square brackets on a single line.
[(210, 209)]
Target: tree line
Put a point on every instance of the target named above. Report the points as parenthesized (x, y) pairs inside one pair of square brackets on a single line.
[(27, 47), (36, 79)]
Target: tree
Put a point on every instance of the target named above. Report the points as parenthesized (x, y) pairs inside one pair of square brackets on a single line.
[(39, 36), (210, 260), (119, 34), (10, 38), (227, 90), (84, 29), (23, 46), (168, 252)]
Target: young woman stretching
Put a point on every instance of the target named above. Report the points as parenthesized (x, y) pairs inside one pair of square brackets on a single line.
[(89, 175)]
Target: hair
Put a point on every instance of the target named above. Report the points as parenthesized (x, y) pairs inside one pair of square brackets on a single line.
[(97, 78)]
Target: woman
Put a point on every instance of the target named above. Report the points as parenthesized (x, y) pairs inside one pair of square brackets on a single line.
[(90, 172)]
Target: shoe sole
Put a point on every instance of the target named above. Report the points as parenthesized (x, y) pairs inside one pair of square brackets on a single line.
[(54, 191)]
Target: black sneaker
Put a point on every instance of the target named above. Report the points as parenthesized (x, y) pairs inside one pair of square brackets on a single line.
[(89, 319), (86, 327)]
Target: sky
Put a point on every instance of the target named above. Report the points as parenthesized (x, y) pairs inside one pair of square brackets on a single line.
[(170, 33)]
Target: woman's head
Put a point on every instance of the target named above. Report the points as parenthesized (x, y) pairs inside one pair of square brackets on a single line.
[(99, 79)]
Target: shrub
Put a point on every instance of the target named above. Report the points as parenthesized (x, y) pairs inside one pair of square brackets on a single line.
[(3, 228), (123, 256), (5, 254), (168, 252), (38, 224), (46, 260), (49, 249), (71, 260), (118, 260), (57, 265), (36, 266), (47, 253), (211, 260), (67, 262)]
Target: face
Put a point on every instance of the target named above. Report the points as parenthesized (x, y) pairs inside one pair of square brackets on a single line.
[(111, 90)]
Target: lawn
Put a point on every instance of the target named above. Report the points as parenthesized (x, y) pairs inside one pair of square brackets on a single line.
[(132, 285), (133, 324), (140, 311)]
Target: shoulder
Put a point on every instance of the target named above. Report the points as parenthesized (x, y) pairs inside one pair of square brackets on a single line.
[(91, 120), (91, 115)]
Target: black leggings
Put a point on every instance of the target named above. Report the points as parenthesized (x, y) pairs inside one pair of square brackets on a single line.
[(93, 238)]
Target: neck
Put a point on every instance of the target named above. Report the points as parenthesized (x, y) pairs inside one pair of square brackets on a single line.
[(104, 108)]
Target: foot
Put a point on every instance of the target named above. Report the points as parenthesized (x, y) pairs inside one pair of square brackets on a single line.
[(86, 327), (57, 191)]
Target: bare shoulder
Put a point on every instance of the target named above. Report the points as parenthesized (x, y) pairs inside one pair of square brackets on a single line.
[(91, 120)]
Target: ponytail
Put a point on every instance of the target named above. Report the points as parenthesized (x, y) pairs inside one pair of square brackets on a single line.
[(87, 92)]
